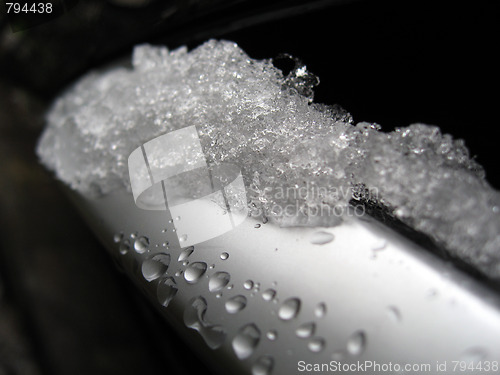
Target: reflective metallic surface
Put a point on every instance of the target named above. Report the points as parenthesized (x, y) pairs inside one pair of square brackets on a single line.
[(262, 299)]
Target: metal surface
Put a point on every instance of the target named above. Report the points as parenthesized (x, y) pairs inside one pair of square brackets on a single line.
[(356, 294)]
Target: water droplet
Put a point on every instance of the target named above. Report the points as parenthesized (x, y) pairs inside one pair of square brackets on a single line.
[(218, 281), (183, 238), (263, 366), (185, 263), (256, 226), (218, 295), (166, 291), (394, 313), (133, 235), (141, 244), (178, 273), (118, 237), (194, 272), (224, 256), (185, 253), (289, 309), (194, 314), (269, 294), (164, 230), (272, 335), (246, 340), (316, 345), (212, 266), (235, 304), (338, 355), (320, 310), (356, 343), (321, 238), (164, 244), (473, 356), (306, 330), (124, 247), (380, 245), (248, 284), (155, 267)]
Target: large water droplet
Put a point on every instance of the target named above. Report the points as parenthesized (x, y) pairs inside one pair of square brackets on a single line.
[(141, 244), (166, 291), (306, 330), (194, 317), (356, 343), (194, 272), (185, 253), (263, 366), (125, 247), (155, 267), (316, 345), (235, 304), (269, 294), (289, 309), (246, 340), (183, 238), (218, 281), (320, 310), (248, 284), (321, 238), (224, 256)]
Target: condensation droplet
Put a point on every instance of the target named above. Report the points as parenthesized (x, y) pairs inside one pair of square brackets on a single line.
[(155, 267), (473, 356), (194, 318), (316, 345), (269, 294), (380, 245), (394, 313), (194, 272), (248, 284), (256, 226), (272, 335), (235, 304), (306, 330), (224, 256), (118, 237), (263, 366), (320, 310), (218, 281), (125, 247), (321, 238), (289, 309), (141, 244), (356, 343), (185, 253), (166, 291), (338, 355), (246, 340)]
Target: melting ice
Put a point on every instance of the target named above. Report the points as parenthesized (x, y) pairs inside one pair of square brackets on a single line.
[(292, 152)]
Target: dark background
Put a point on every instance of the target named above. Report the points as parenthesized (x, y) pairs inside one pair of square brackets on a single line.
[(63, 306)]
